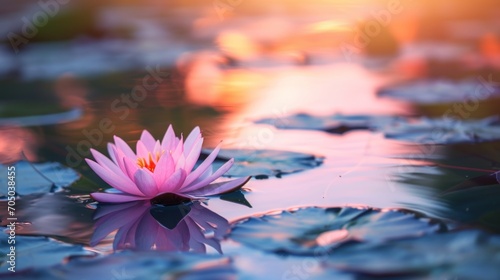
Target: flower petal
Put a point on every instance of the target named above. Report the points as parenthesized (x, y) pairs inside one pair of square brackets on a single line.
[(111, 152), (173, 183), (145, 182), (148, 140), (142, 150), (130, 167), (119, 158), (123, 147), (112, 217), (223, 169), (193, 156), (203, 166), (106, 162), (191, 140), (181, 162), (157, 148), (121, 183), (115, 198), (178, 150), (220, 188), (118, 209), (125, 236), (168, 141), (165, 167), (144, 240)]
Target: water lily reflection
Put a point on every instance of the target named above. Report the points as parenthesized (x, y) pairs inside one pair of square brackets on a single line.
[(141, 226)]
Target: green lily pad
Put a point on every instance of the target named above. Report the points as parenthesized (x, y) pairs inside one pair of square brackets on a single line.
[(33, 178), (130, 265), (36, 252), (311, 231), (39, 120), (453, 255), (440, 91), (419, 130), (336, 123), (53, 214), (444, 130), (262, 164)]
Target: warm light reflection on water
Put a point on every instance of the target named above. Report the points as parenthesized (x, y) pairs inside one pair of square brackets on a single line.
[(222, 72)]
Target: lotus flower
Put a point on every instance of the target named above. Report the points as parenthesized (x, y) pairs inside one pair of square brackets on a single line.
[(160, 168)]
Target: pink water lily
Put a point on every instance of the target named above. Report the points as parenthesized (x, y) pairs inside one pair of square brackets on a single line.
[(160, 167)]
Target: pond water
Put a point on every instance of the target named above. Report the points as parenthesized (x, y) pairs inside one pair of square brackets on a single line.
[(350, 178)]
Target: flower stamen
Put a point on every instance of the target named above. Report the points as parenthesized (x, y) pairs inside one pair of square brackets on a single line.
[(149, 163)]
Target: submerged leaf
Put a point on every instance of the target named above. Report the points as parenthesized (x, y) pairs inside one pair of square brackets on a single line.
[(311, 231), (38, 177), (265, 163), (453, 255)]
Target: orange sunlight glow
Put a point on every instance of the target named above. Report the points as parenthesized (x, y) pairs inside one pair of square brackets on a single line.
[(237, 45)]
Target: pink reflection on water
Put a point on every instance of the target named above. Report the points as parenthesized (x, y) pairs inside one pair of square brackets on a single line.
[(135, 227), (17, 143)]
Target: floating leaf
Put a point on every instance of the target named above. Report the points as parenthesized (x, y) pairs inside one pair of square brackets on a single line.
[(479, 181), (48, 119), (456, 255), (337, 123), (310, 231), (236, 197), (441, 91), (265, 163), (38, 177), (421, 130), (52, 214), (477, 206), (35, 252), (129, 265), (444, 130)]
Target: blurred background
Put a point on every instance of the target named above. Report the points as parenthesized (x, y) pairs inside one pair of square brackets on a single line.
[(114, 67)]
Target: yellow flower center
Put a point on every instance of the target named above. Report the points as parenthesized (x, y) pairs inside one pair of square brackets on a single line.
[(149, 163)]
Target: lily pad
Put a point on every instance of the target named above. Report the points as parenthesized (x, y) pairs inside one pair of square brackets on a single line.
[(441, 91), (312, 231), (52, 214), (38, 177), (48, 119), (129, 265), (236, 197), (456, 255), (263, 164), (420, 130), (36, 252), (475, 206), (337, 123), (444, 130)]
